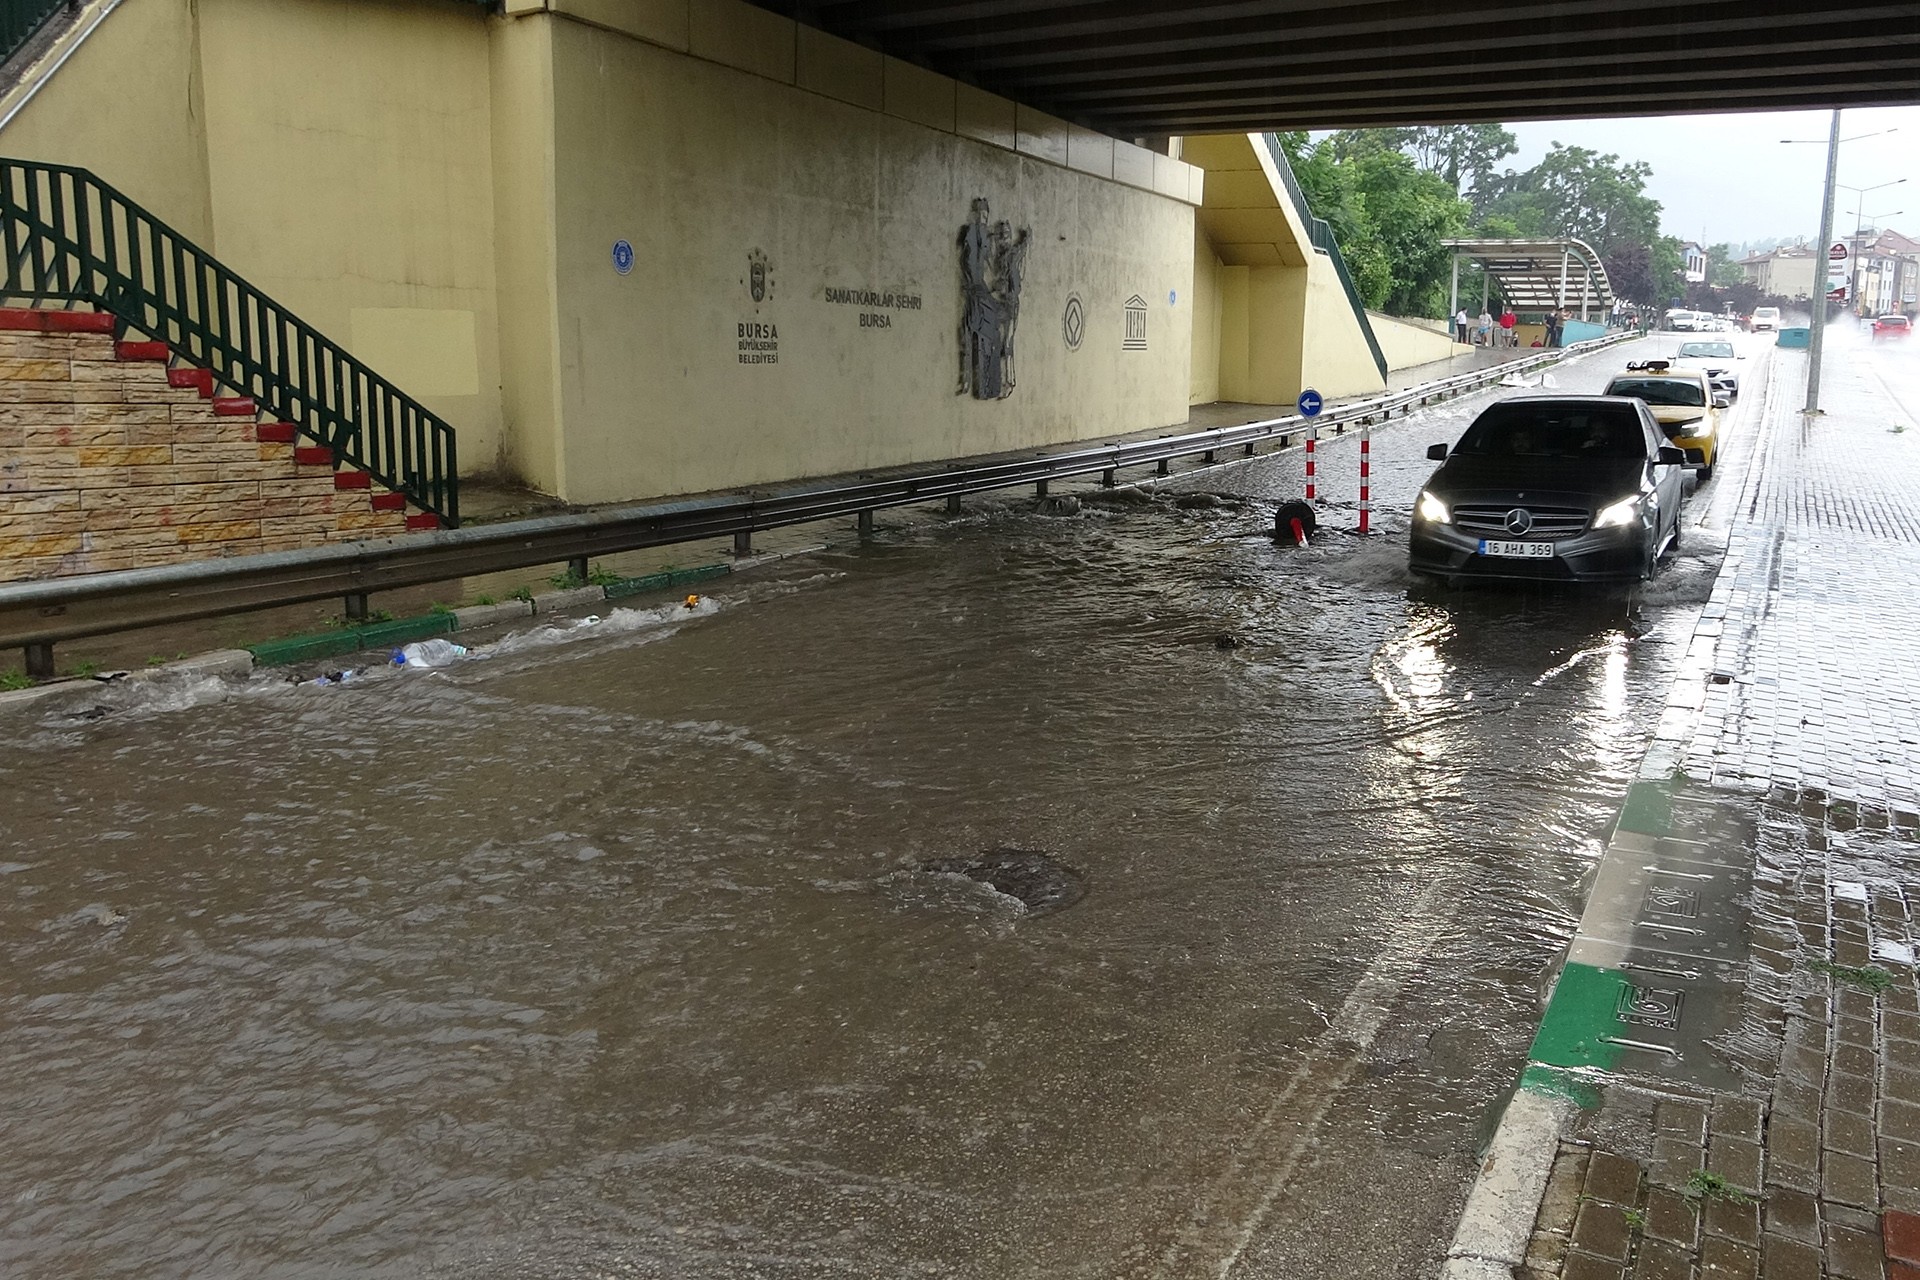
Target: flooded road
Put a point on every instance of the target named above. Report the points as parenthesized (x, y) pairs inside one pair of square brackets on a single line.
[(615, 950)]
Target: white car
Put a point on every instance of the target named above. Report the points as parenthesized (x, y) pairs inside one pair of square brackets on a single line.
[(1766, 318), (1716, 358)]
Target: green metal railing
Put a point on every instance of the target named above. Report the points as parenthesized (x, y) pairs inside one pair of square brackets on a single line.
[(1320, 231), (19, 19), (66, 236)]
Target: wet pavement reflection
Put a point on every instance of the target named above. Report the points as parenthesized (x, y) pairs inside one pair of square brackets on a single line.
[(632, 949)]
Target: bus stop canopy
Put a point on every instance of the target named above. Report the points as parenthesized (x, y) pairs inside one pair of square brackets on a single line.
[(1538, 275)]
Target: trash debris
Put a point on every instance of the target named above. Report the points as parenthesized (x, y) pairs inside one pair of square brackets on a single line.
[(429, 653), (334, 677), (691, 602)]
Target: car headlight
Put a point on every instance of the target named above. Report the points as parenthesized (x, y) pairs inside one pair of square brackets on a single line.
[(1431, 508), (1625, 511)]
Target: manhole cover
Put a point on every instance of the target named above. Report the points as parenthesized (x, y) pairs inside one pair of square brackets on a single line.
[(1041, 882)]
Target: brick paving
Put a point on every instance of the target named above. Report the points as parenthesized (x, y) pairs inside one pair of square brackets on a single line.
[(1798, 696)]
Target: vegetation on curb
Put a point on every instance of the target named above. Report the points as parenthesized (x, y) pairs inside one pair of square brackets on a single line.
[(1869, 978), (1705, 1185)]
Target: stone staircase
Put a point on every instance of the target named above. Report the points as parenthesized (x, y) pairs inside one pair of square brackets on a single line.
[(114, 455)]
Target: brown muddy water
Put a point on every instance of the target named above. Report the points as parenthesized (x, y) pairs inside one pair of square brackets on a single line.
[(613, 950)]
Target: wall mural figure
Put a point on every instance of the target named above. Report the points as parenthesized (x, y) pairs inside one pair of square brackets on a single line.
[(992, 262)]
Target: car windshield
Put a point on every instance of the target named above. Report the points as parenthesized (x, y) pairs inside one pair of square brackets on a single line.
[(1894, 322), (1659, 390), (1707, 350), (1523, 431)]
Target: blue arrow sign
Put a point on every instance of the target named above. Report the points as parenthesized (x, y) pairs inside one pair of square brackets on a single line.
[(1310, 403)]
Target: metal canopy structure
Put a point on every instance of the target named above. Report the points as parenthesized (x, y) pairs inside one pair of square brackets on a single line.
[(1539, 275), (1142, 68)]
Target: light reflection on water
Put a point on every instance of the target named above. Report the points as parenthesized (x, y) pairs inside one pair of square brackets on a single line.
[(607, 952)]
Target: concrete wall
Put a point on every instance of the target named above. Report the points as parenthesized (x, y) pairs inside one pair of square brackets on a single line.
[(702, 166), (351, 176), (127, 104), (1407, 343)]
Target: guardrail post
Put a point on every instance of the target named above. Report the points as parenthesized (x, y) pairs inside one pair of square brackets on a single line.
[(1249, 449), (1160, 468), (40, 662), (743, 543), (577, 569), (866, 524), (1040, 488), (1107, 478), (1207, 457), (355, 606), (953, 504)]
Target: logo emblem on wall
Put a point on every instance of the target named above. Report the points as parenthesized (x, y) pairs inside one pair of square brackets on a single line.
[(622, 256), (1073, 324), (1135, 314), (992, 261), (759, 277)]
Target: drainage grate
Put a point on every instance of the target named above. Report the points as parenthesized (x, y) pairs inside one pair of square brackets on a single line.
[(1040, 881)]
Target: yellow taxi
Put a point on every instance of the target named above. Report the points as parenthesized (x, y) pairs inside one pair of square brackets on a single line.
[(1683, 403)]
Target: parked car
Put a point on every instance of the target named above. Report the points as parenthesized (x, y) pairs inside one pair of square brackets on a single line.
[(1561, 488), (1766, 319), (1717, 359), (1683, 403), (1891, 327)]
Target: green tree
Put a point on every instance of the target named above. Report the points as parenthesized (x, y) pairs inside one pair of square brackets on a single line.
[(1575, 191), (1410, 212)]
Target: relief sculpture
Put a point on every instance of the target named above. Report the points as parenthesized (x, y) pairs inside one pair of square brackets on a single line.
[(992, 260)]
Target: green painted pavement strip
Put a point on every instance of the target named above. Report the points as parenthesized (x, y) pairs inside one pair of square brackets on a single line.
[(665, 580), (1585, 1001), (1649, 808), (328, 644)]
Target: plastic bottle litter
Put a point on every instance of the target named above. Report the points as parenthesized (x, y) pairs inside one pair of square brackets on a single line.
[(429, 653)]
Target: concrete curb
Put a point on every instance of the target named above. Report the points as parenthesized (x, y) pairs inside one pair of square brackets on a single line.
[(1497, 1222)]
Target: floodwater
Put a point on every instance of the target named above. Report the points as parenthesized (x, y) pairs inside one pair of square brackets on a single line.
[(610, 951)]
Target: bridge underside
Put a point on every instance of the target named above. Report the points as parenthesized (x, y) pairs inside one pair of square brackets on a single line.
[(1131, 68)]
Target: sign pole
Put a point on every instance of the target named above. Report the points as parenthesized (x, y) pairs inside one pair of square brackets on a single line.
[(1366, 471), (1816, 338), (1310, 403)]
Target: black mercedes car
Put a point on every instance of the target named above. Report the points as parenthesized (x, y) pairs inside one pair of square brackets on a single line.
[(1569, 488)]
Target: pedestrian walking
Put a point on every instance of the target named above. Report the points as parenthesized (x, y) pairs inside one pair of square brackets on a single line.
[(1486, 327), (1460, 326)]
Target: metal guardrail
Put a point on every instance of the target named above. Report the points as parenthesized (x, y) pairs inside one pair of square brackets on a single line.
[(19, 19), (44, 612), (1320, 231), (66, 236)]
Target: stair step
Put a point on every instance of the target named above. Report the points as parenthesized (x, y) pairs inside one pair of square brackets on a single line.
[(313, 455), (234, 406), (352, 480), (274, 433), (423, 520), (156, 351), (34, 320), (389, 502), (188, 377)]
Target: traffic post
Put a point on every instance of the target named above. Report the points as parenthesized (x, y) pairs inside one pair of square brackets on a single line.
[(1366, 464), (1310, 405)]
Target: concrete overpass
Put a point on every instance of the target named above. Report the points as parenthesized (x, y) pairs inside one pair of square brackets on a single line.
[(1133, 68)]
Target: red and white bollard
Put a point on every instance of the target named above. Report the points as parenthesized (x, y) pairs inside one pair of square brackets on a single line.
[(1313, 433), (1366, 472)]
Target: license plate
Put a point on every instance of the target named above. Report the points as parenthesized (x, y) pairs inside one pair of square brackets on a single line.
[(1519, 550)]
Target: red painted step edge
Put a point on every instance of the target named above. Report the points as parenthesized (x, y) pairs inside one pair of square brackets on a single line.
[(352, 480), (274, 433), (313, 455), (234, 406), (185, 377), (140, 351), (424, 520), (1901, 1231), (32, 320), (389, 501)]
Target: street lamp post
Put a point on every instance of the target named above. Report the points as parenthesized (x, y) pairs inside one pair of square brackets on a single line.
[(1816, 337)]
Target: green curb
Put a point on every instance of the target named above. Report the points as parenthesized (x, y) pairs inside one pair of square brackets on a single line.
[(1559, 1083), (328, 644), (1580, 1019), (1648, 810), (666, 580)]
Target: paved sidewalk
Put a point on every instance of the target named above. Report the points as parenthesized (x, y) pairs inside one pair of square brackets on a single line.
[(1738, 1022)]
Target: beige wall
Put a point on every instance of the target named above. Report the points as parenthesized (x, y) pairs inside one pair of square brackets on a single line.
[(700, 166), (128, 105), (1208, 310), (350, 169), (1407, 343)]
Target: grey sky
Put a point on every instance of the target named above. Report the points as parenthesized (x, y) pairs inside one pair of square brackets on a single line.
[(1728, 178)]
